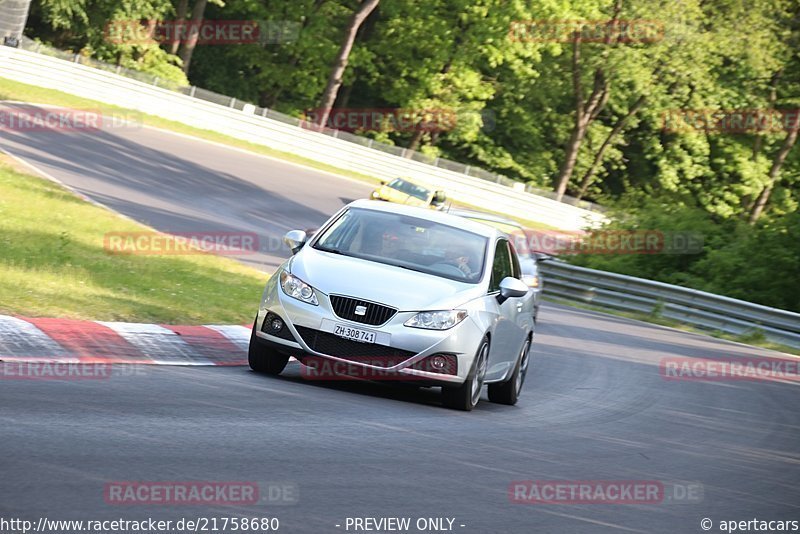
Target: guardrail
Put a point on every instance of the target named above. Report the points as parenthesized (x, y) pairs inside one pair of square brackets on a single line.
[(13, 14), (689, 306), (246, 122)]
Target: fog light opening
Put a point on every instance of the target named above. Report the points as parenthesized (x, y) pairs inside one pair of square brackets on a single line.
[(438, 362), (276, 325)]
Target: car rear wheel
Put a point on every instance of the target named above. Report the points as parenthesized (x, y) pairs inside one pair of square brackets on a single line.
[(508, 392), (466, 396), (262, 359)]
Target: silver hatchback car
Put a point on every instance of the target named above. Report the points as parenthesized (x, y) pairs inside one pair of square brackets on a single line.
[(403, 293)]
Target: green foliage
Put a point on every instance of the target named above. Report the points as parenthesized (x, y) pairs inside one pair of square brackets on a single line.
[(754, 263), (84, 26), (516, 102)]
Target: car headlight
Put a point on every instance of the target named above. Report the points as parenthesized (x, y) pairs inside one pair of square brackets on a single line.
[(296, 288), (437, 320), (531, 280)]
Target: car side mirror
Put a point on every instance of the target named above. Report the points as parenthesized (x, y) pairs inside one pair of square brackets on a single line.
[(295, 240), (512, 288), (383, 182)]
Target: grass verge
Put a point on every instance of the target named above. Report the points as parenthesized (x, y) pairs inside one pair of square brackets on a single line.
[(12, 90), (756, 339), (54, 264)]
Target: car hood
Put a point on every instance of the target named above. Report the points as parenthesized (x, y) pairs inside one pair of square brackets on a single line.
[(368, 280)]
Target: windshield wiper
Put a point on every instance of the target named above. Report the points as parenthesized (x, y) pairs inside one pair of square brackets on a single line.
[(332, 250), (402, 266)]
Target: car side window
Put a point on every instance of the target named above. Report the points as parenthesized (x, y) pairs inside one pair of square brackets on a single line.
[(501, 268)]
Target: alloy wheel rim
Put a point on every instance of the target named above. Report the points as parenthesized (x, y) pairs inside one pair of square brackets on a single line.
[(523, 366), (480, 374)]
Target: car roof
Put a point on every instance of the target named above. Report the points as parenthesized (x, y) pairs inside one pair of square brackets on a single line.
[(429, 215), (412, 181)]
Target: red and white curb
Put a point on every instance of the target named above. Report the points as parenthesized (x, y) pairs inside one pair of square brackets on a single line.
[(25, 339)]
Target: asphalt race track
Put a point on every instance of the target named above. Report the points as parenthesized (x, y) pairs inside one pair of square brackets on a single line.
[(177, 184), (596, 405)]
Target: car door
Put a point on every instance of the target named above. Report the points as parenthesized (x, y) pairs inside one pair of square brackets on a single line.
[(509, 327)]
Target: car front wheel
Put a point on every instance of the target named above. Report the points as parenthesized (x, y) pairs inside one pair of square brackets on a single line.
[(262, 359), (508, 392), (466, 396)]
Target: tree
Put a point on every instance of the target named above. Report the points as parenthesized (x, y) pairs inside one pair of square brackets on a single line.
[(187, 48), (97, 28), (180, 18), (340, 63), (774, 171), (586, 108)]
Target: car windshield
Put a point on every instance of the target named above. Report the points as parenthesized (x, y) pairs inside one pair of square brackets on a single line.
[(416, 191), (407, 242), (514, 231)]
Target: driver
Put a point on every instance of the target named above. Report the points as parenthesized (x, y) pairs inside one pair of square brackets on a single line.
[(457, 257)]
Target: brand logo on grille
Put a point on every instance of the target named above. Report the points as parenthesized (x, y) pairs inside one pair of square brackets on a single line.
[(361, 310)]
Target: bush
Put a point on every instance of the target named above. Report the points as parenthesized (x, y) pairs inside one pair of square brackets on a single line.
[(737, 260)]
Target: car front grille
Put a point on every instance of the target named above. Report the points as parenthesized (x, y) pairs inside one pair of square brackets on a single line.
[(374, 314), (354, 351)]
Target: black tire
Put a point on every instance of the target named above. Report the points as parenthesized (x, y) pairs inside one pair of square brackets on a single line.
[(262, 359), (508, 392), (466, 396)]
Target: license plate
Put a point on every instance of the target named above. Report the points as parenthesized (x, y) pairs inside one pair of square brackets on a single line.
[(356, 334)]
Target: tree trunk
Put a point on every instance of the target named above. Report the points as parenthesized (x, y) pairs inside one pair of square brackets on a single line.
[(414, 143), (773, 96), (775, 170), (598, 157), (194, 32), (343, 99), (748, 202), (585, 113), (180, 18), (340, 65)]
